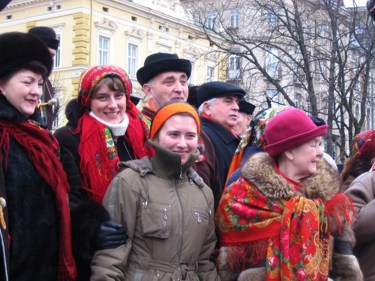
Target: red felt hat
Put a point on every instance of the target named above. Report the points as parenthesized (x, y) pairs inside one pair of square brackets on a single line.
[(289, 129)]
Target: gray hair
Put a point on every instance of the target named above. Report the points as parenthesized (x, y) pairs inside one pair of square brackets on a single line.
[(210, 102)]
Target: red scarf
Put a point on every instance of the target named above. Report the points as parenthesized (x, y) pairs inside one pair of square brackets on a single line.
[(99, 158), (291, 235), (42, 148)]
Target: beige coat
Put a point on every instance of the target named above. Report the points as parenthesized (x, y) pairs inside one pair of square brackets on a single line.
[(168, 211), (362, 192)]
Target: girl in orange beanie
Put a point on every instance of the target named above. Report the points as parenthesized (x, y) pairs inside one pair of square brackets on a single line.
[(167, 207)]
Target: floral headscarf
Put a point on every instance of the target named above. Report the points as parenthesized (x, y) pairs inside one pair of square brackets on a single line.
[(92, 76), (364, 145)]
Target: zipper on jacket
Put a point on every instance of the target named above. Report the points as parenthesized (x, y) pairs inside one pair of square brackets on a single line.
[(165, 217), (181, 225)]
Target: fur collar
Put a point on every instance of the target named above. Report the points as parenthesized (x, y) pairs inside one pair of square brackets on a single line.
[(259, 171)]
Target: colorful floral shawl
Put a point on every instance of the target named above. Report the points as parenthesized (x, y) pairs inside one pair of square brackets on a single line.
[(292, 235)]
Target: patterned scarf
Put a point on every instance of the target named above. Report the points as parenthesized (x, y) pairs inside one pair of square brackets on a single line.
[(42, 148), (292, 236), (99, 158)]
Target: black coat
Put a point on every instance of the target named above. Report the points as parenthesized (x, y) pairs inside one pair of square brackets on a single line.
[(225, 144), (86, 214), (32, 220)]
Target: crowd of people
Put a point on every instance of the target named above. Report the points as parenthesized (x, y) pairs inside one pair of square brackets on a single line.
[(191, 186)]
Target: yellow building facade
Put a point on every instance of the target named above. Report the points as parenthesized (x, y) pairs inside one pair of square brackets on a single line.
[(116, 32)]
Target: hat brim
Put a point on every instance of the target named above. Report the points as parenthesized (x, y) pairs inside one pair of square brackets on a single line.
[(282, 146), (146, 73)]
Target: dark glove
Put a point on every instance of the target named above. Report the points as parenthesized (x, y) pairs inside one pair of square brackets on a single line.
[(110, 235)]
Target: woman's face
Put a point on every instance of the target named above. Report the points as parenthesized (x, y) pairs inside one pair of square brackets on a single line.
[(306, 157), (23, 90), (109, 105), (179, 134)]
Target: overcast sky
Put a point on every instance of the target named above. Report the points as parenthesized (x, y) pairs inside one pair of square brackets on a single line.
[(349, 3)]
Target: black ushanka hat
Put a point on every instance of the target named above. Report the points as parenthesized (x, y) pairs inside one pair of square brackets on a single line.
[(18, 49)]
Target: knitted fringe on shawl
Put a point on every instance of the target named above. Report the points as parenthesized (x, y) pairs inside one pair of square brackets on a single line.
[(245, 255), (339, 209)]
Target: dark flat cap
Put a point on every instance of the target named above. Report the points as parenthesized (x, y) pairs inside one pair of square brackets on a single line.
[(47, 35), (216, 89), (245, 106), (162, 62)]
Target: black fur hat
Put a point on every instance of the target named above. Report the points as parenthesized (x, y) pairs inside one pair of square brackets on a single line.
[(18, 49)]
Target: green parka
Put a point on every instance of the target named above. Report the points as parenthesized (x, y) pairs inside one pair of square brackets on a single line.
[(168, 211)]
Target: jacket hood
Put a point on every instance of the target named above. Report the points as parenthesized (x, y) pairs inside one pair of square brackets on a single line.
[(259, 171)]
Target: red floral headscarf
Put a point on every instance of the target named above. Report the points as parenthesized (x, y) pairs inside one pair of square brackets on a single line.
[(364, 145), (92, 76), (99, 158)]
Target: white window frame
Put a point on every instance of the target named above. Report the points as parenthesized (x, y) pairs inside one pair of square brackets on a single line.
[(211, 20), (234, 18), (234, 67), (132, 59), (210, 74), (57, 57), (272, 63), (104, 51)]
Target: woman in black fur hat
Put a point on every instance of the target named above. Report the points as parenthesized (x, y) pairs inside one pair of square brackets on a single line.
[(34, 212)]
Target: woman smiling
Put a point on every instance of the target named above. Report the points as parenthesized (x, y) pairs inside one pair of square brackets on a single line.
[(34, 212), (110, 130), (166, 205)]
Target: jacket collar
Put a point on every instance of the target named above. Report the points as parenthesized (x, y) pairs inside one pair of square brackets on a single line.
[(259, 171)]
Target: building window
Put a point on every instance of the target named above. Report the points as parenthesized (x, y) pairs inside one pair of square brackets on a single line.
[(132, 59), (57, 58), (272, 96), (234, 67), (103, 50), (234, 18), (298, 101), (272, 19), (271, 63), (211, 19), (210, 74)]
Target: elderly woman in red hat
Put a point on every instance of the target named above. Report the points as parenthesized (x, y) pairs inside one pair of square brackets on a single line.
[(275, 222), (168, 208), (110, 130), (35, 236)]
